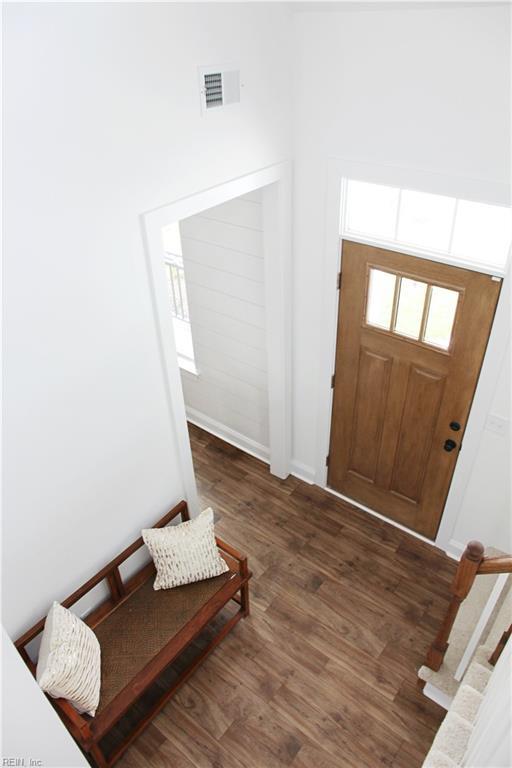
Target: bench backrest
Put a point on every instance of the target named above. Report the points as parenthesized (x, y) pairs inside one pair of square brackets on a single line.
[(119, 589)]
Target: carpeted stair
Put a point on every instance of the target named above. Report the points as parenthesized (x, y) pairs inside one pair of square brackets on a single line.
[(451, 742), (463, 698)]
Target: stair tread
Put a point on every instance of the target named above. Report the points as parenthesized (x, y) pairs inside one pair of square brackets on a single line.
[(467, 702), (452, 737), (477, 676), (438, 759)]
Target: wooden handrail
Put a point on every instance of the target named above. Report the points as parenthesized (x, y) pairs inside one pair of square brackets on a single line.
[(500, 646), (471, 564), (496, 565)]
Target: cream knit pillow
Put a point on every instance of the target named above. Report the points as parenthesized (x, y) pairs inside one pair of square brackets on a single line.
[(69, 665), (184, 553)]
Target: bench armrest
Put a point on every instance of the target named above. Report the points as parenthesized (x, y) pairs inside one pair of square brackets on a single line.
[(233, 554)]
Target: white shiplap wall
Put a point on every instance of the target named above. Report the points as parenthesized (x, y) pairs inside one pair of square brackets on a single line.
[(223, 259)]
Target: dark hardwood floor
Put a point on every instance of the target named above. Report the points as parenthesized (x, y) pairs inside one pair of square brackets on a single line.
[(323, 672)]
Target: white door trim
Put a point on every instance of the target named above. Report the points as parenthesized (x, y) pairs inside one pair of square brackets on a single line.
[(475, 189), (276, 183), (277, 226)]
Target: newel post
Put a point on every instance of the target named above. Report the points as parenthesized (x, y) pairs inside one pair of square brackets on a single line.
[(462, 583)]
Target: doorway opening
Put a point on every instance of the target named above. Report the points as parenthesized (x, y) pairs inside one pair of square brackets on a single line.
[(200, 261), (216, 280)]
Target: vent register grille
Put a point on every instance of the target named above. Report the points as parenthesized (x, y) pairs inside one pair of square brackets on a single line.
[(213, 90), (219, 87)]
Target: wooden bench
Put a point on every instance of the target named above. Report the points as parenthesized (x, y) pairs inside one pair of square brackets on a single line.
[(141, 632)]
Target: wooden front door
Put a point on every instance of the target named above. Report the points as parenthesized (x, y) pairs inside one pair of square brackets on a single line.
[(411, 339)]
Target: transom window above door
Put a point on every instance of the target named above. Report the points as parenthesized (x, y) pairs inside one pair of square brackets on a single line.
[(456, 231), (414, 309)]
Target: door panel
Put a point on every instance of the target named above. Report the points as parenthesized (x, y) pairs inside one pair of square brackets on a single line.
[(369, 413), (420, 411), (411, 338)]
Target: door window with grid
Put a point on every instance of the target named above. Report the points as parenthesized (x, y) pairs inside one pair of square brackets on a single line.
[(411, 308)]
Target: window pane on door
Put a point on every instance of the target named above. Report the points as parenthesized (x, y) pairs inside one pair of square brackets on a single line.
[(441, 314), (410, 307), (381, 291)]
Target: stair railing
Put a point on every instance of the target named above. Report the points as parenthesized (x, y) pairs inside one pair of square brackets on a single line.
[(471, 564)]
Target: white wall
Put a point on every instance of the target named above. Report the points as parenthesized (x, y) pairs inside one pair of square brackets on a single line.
[(223, 260), (425, 89), (486, 507), (102, 123), (31, 728)]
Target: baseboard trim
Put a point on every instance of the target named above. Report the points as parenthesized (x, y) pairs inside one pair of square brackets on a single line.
[(302, 471), (229, 435), (440, 697), (297, 468)]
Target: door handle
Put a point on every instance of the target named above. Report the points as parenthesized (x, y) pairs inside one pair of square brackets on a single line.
[(449, 445)]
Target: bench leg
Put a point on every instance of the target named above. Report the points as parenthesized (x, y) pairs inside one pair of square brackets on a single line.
[(244, 591), (245, 605)]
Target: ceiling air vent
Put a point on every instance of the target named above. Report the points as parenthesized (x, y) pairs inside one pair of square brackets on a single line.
[(213, 90), (219, 86)]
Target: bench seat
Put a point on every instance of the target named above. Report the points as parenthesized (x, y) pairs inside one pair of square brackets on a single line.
[(138, 629)]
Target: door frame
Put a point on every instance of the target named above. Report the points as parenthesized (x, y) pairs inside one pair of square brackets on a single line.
[(467, 188), (276, 183)]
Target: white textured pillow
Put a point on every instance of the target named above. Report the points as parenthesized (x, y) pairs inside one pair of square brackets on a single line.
[(185, 553), (69, 663)]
